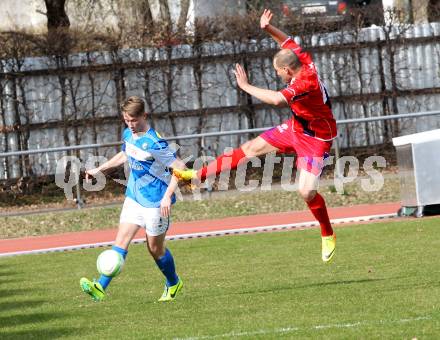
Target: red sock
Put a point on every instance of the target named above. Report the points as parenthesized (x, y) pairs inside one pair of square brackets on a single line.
[(319, 210), (222, 163)]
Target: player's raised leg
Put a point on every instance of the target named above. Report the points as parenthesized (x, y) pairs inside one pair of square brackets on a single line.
[(228, 161), (96, 289), (308, 185)]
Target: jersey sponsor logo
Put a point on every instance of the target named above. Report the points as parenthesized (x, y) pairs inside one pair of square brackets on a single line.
[(135, 165), (137, 153), (283, 127)]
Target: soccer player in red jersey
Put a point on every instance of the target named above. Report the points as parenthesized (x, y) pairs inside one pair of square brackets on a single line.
[(308, 133)]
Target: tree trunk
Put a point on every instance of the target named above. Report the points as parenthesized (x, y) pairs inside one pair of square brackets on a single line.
[(93, 108), (5, 134), (26, 127), (147, 17), (56, 15), (198, 76), (58, 39), (165, 12), (183, 16), (168, 77), (17, 124), (383, 88)]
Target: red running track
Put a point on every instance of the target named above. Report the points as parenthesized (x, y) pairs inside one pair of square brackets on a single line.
[(28, 244)]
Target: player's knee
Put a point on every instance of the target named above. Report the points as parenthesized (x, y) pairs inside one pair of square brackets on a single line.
[(250, 148), (156, 251), (247, 148), (307, 194)]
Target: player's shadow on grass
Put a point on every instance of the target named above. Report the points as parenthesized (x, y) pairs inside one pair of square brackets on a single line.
[(41, 334), (13, 322), (7, 293), (8, 281), (10, 306), (338, 283), (18, 320), (6, 274), (7, 277), (296, 286)]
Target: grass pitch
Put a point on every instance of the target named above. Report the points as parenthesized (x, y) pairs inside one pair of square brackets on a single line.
[(384, 283)]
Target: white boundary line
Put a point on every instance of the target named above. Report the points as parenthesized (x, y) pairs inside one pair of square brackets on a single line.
[(213, 233), (236, 334)]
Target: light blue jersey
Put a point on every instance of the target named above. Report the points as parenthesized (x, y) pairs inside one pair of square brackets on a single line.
[(149, 157)]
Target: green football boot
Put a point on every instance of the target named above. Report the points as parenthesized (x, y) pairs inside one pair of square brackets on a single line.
[(94, 289), (170, 293), (328, 248)]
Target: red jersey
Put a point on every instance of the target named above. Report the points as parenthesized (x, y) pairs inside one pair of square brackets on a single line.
[(308, 98)]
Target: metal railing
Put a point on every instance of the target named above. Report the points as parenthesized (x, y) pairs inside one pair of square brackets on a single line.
[(202, 136), (216, 134)]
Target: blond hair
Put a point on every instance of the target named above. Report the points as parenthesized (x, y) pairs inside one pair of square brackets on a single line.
[(286, 58), (134, 106)]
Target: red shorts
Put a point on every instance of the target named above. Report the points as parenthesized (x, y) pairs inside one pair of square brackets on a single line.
[(310, 152)]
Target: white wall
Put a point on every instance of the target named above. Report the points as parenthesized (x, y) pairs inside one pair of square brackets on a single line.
[(209, 8), (22, 14)]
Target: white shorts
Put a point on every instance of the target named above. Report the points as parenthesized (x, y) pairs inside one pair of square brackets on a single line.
[(148, 218)]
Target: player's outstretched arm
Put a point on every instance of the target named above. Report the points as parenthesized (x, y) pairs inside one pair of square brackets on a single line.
[(266, 96), (117, 160), (278, 35), (165, 203)]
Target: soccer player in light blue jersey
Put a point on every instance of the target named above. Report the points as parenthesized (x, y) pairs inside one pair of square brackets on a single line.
[(149, 196)]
